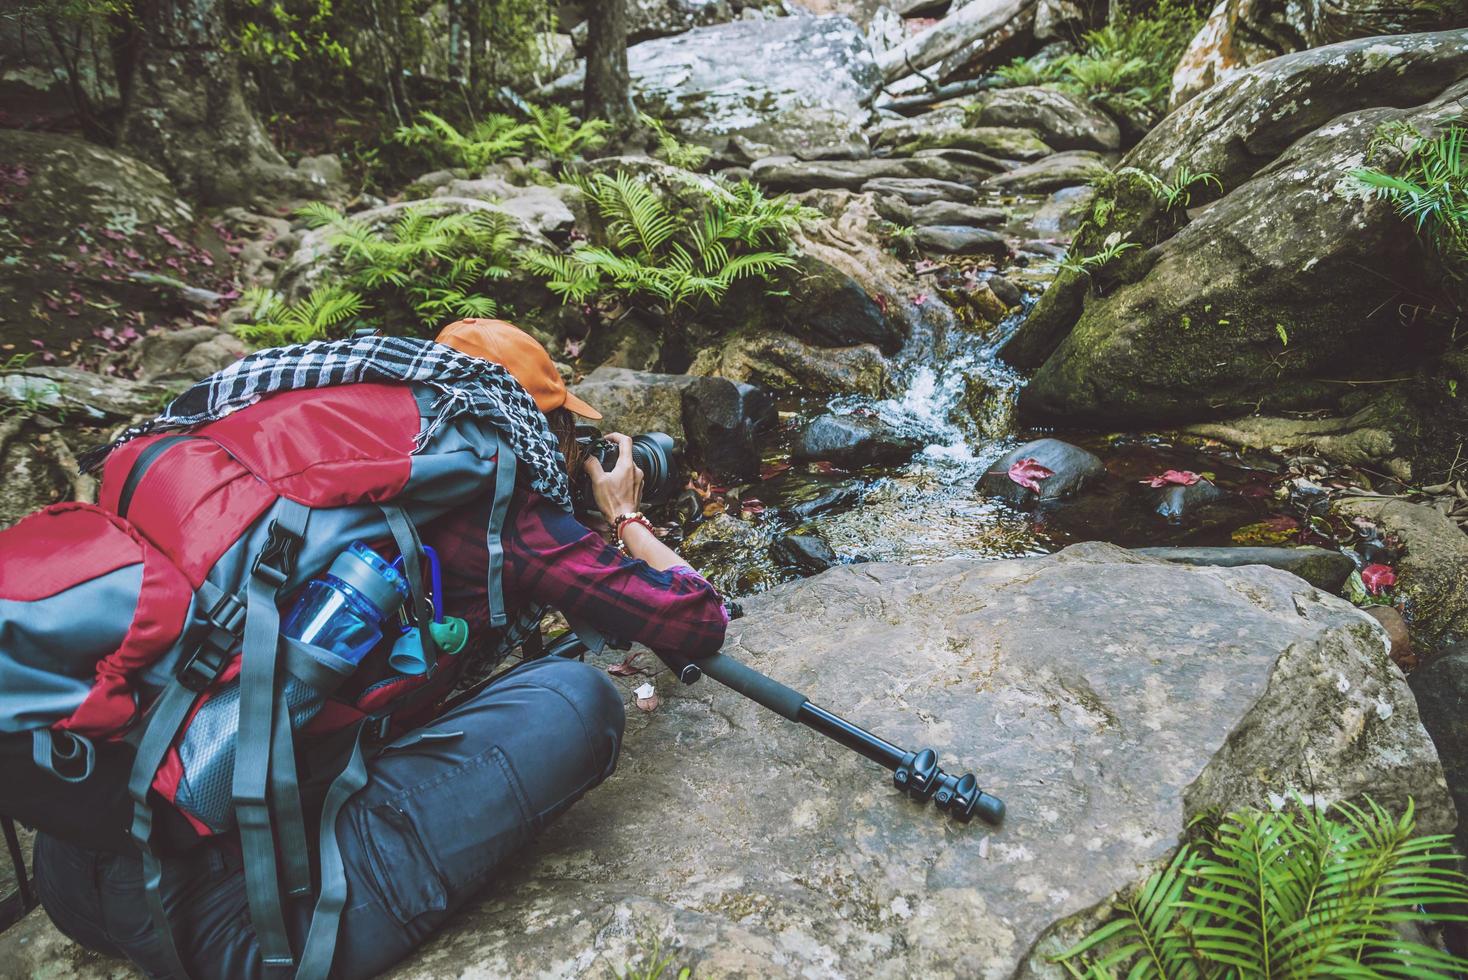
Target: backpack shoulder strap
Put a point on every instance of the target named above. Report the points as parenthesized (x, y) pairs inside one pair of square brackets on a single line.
[(504, 489)]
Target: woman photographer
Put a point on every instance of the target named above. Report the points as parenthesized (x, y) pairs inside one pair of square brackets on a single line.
[(445, 805)]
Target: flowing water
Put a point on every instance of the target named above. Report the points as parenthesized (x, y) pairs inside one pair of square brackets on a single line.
[(953, 393)]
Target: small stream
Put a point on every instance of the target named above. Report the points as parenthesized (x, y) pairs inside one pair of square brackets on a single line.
[(955, 395)]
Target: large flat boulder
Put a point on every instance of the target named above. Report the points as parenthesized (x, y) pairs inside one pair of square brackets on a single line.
[(1254, 298), (1109, 700), (797, 84)]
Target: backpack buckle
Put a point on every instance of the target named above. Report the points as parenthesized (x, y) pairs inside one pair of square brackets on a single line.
[(277, 559), (199, 671)]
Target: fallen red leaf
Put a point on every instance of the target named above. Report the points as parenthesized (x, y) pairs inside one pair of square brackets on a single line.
[(1378, 578), (752, 506), (1184, 478), (627, 668), (1028, 473), (771, 470)]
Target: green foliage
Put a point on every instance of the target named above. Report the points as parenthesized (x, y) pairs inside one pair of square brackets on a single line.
[(277, 33), (657, 966), (1112, 247), (1126, 66), (685, 156), (560, 135), (1429, 187), (275, 322), (1285, 894), (426, 268), (1177, 190), (491, 139), (654, 253)]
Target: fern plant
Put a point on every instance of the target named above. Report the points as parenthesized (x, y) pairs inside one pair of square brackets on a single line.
[(428, 267), (1175, 191), (1285, 894), (275, 322), (686, 156), (1430, 188), (1032, 71), (675, 260), (1111, 247), (490, 140), (560, 135)]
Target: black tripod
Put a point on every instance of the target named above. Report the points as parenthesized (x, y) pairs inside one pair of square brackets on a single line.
[(914, 773)]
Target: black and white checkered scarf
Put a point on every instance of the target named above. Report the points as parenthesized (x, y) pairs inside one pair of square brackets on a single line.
[(466, 385)]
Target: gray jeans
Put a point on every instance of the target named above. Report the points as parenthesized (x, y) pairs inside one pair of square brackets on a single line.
[(443, 807)]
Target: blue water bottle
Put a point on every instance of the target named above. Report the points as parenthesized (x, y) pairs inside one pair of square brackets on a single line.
[(343, 611)]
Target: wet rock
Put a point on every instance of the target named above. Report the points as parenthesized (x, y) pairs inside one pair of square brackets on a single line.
[(777, 360), (1064, 211), (186, 355), (829, 308), (633, 341), (1178, 503), (30, 477), (1326, 570), (918, 191), (1240, 34), (722, 421), (1441, 689), (1073, 468), (954, 213), (1052, 173), (1277, 256), (1397, 634), (948, 127), (1433, 574), (799, 175), (1008, 293), (636, 401), (807, 552), (829, 499), (1061, 120), (1105, 751), (816, 79), (962, 240), (852, 442)]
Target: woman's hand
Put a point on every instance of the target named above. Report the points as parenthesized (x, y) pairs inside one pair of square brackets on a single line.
[(619, 491)]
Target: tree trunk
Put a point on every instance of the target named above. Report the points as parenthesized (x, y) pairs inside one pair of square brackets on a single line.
[(607, 94), (186, 112)]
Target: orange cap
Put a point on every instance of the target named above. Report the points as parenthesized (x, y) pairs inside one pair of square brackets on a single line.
[(522, 355)]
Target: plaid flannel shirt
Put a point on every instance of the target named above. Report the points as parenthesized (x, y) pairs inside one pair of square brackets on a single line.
[(552, 559)]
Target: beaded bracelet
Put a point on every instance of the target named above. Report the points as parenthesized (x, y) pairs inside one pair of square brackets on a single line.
[(620, 524)]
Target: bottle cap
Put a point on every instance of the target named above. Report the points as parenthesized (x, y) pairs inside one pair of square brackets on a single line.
[(364, 570)]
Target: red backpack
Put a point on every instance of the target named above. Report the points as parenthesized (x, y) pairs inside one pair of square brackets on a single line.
[(149, 626)]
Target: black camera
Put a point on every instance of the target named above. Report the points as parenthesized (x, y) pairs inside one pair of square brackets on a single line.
[(655, 453)]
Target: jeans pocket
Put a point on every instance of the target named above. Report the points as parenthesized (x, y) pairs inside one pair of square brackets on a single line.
[(433, 844)]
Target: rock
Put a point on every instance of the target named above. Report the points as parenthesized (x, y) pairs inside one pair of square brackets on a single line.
[(324, 172), (1064, 211), (973, 159), (798, 175), (648, 19), (832, 498), (1063, 121), (169, 291), (962, 240), (1059, 20), (186, 355), (1073, 469), (67, 391), (1326, 570), (636, 401), (422, 186), (1052, 173), (1271, 266), (30, 477), (723, 420), (959, 41), (1178, 503), (1240, 34), (1069, 684), (632, 341), (853, 442), (948, 128), (1433, 575), (954, 213), (1397, 634), (919, 191), (542, 208), (777, 360), (1007, 292), (1441, 689), (828, 308), (816, 80), (807, 552)]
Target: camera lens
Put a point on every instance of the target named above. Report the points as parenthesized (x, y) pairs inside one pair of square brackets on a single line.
[(654, 453)]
